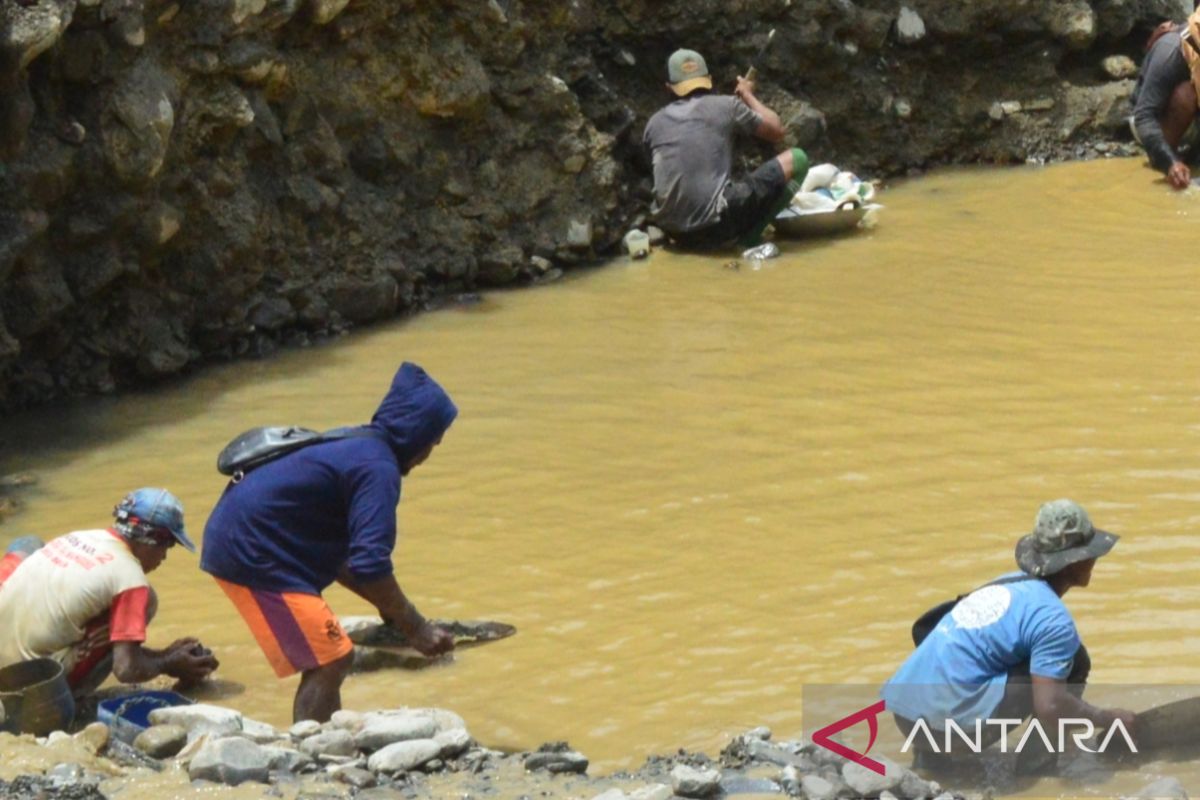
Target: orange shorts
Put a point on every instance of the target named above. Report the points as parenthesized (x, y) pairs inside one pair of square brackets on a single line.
[(297, 632)]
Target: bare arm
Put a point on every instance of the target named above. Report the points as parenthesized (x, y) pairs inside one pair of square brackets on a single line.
[(1052, 702), (771, 129), (396, 609), (185, 659)]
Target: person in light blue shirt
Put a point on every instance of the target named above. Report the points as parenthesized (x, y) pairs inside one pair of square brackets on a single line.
[(1010, 649)]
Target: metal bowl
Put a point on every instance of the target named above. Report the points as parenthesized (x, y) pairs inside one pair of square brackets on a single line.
[(793, 223)]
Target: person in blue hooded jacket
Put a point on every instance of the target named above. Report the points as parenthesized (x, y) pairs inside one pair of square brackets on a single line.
[(290, 528)]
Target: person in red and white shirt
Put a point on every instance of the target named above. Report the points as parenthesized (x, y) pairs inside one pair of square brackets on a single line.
[(84, 600)]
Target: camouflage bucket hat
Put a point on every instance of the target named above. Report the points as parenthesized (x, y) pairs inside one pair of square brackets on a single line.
[(1062, 535)]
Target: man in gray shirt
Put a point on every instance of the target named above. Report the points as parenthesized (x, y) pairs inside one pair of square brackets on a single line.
[(690, 141), (1164, 103)]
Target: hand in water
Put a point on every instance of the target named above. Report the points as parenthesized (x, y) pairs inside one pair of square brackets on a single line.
[(1179, 176), (1128, 719), (189, 661)]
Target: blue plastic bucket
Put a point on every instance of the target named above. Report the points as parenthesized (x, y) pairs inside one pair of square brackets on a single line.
[(128, 715)]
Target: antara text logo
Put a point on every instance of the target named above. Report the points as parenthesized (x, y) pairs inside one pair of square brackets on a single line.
[(954, 738)]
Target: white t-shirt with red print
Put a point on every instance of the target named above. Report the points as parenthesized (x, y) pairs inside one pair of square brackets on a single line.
[(65, 592)]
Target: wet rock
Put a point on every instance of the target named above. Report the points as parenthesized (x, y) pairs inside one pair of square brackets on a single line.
[(17, 480), (304, 729), (259, 732), (404, 756), (199, 719), (356, 777), (161, 741), (453, 742), (789, 779), (93, 738), (1164, 789), (743, 784), (286, 759), (910, 28), (379, 732), (762, 733), (66, 775), (775, 754), (655, 791), (557, 758), (231, 761), (867, 783), (346, 720), (336, 742), (913, 785), (817, 788), (612, 794), (691, 782), (1119, 67)]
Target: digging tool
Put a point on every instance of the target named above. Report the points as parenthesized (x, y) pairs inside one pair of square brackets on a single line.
[(750, 73)]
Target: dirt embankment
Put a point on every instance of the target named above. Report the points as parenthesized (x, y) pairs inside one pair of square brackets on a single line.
[(194, 180)]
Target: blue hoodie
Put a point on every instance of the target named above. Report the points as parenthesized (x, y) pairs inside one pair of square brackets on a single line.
[(292, 524)]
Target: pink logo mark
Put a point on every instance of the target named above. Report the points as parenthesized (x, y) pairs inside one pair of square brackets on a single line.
[(870, 714)]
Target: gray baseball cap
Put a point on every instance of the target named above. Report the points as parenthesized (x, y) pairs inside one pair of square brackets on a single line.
[(686, 72), (1063, 534)]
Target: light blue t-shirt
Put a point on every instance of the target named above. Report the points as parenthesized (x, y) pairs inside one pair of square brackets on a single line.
[(960, 670)]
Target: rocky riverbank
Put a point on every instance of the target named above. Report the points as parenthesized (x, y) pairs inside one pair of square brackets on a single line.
[(405, 753), (186, 182), (421, 754)]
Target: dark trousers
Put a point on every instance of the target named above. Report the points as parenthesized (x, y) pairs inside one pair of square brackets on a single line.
[(748, 202)]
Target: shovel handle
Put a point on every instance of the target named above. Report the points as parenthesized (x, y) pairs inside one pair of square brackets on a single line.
[(750, 73)]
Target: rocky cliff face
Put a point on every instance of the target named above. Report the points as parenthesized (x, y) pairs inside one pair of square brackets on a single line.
[(189, 180)]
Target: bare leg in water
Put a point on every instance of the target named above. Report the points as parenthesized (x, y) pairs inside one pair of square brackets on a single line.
[(320, 691)]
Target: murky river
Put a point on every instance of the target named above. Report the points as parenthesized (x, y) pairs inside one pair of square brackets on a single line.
[(696, 489)]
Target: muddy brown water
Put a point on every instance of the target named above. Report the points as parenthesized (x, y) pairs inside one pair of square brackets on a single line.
[(696, 489)]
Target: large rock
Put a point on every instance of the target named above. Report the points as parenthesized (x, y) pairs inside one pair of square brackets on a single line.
[(199, 719), (379, 732), (817, 788), (335, 742), (136, 126), (1075, 24), (161, 741), (691, 782), (232, 760), (868, 783), (287, 759), (557, 761), (452, 742), (1163, 789), (404, 756), (27, 31)]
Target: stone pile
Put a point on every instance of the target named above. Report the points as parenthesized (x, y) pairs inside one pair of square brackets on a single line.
[(422, 754)]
